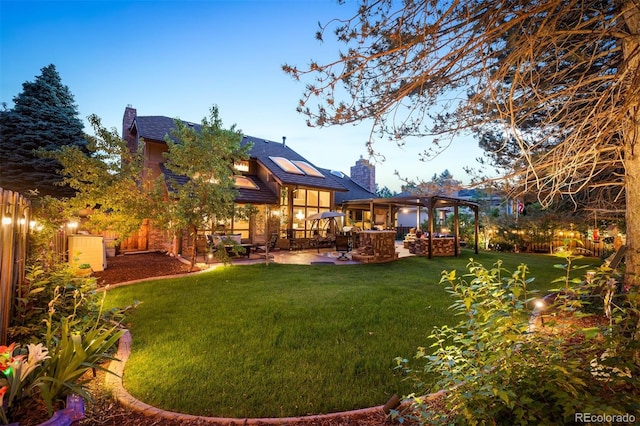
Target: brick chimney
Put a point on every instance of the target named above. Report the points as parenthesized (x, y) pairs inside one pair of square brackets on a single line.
[(130, 114), (364, 174)]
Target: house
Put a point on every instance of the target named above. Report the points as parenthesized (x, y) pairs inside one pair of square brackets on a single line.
[(279, 183)]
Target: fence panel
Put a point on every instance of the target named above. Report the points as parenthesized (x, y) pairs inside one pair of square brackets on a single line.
[(15, 211)]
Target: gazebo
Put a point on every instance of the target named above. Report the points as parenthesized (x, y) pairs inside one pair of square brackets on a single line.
[(382, 213)]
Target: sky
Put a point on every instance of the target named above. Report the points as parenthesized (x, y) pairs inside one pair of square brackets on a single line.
[(178, 58)]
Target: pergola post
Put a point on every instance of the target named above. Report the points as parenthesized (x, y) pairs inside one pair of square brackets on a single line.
[(430, 216), (456, 231)]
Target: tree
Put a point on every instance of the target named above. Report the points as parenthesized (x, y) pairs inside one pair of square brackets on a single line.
[(384, 192), (107, 180), (560, 79), (201, 185), (44, 117)]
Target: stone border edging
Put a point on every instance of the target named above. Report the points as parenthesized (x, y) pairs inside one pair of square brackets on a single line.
[(114, 383)]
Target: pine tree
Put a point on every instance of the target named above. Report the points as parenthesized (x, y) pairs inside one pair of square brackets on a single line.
[(44, 117)]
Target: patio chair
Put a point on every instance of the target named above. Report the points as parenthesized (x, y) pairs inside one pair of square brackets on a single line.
[(202, 248), (343, 246), (270, 245)]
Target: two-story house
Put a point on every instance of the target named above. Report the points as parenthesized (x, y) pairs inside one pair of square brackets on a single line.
[(279, 183)]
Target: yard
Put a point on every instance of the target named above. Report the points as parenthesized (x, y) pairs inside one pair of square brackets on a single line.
[(290, 340)]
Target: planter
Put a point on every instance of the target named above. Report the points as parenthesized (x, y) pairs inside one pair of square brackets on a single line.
[(83, 273)]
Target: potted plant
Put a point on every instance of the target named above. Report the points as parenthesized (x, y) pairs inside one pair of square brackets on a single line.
[(84, 270)]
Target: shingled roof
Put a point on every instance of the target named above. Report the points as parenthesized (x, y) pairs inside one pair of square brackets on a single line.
[(355, 190), (157, 127), (262, 195), (263, 150)]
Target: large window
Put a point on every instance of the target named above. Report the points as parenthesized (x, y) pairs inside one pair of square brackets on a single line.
[(305, 203)]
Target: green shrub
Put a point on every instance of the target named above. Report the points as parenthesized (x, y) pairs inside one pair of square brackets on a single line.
[(496, 369), (54, 287)]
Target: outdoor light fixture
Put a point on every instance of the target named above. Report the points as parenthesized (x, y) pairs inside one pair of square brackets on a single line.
[(6, 220), (540, 306)]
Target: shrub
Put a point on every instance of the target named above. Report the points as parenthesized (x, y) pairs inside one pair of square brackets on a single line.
[(496, 369), (54, 287)]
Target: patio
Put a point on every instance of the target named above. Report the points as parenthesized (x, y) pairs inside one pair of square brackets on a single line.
[(310, 256)]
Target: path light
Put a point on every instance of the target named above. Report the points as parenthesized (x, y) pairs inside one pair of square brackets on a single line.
[(540, 306)]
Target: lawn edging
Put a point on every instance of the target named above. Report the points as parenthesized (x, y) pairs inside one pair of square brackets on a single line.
[(114, 383)]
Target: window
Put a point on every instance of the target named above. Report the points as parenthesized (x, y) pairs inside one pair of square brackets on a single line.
[(305, 203), (286, 165), (296, 166), (241, 166), (307, 168), (244, 182)]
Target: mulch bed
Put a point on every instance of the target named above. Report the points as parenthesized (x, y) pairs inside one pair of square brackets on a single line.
[(130, 267)]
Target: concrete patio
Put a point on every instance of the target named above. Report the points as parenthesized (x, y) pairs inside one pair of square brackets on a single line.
[(326, 256)]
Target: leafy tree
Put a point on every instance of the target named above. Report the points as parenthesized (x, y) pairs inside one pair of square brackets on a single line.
[(44, 117), (201, 187), (107, 180), (384, 192), (561, 79)]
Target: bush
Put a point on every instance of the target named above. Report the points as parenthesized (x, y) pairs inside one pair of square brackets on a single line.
[(496, 369), (55, 288)]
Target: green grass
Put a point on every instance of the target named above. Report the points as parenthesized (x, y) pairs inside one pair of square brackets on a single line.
[(289, 340)]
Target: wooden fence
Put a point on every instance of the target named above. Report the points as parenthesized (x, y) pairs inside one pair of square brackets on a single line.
[(16, 216)]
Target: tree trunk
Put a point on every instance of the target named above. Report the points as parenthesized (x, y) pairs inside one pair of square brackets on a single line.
[(193, 231), (631, 137)]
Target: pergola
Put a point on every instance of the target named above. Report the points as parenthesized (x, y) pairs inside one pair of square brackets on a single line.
[(430, 203)]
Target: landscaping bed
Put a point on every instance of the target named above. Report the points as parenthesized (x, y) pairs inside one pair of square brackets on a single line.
[(130, 267)]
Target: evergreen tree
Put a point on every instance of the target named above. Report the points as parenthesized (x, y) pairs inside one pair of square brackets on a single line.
[(44, 117)]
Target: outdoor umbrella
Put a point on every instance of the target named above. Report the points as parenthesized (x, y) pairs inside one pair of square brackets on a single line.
[(330, 216), (325, 215)]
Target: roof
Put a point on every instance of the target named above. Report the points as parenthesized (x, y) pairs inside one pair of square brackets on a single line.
[(436, 201), (263, 149), (157, 127), (262, 195), (355, 191)]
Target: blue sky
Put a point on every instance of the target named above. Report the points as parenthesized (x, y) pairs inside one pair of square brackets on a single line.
[(177, 58)]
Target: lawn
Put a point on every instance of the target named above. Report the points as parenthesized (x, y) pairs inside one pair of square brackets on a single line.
[(290, 340)]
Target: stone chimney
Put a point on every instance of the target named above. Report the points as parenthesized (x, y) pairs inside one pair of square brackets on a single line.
[(130, 114), (364, 174)]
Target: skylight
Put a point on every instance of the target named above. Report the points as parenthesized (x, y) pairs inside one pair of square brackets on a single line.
[(244, 182), (286, 165), (307, 168)]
